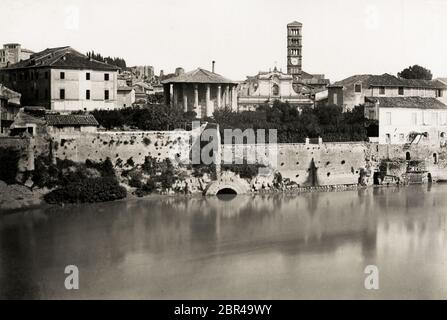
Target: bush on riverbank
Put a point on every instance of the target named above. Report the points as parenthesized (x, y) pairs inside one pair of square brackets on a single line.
[(63, 172), (9, 161), (88, 191)]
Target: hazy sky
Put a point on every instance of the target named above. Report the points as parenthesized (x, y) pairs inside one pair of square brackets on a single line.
[(340, 37)]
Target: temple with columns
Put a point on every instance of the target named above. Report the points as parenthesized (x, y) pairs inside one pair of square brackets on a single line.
[(200, 91)]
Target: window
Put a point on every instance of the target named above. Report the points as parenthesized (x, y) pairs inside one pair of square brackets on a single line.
[(401, 91), (87, 94), (335, 98), (439, 93), (87, 76), (358, 88), (371, 114), (275, 90), (388, 118), (401, 137), (414, 119), (106, 77), (62, 75), (62, 94), (381, 90), (434, 119), (106, 95)]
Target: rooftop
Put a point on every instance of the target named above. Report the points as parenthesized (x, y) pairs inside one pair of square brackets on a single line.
[(295, 24), (198, 76), (69, 120), (388, 80), (407, 102), (62, 57)]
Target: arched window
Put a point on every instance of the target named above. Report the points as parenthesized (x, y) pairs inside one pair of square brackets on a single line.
[(275, 90), (435, 158)]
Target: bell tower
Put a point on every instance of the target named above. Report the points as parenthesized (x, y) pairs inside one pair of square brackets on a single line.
[(294, 45)]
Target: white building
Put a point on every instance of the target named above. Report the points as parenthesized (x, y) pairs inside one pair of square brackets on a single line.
[(125, 97), (405, 120), (64, 80)]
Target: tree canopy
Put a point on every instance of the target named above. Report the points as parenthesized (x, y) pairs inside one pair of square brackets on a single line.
[(119, 62), (416, 72)]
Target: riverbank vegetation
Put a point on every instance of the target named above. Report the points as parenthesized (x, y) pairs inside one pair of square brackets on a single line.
[(292, 125), (9, 161), (77, 182)]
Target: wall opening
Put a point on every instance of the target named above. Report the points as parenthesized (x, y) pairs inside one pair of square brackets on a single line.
[(226, 191), (226, 194), (408, 156)]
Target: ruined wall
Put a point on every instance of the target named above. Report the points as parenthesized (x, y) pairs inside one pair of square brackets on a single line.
[(435, 156), (122, 146), (310, 164), (26, 147)]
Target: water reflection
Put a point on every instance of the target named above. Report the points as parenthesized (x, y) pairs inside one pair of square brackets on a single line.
[(313, 245)]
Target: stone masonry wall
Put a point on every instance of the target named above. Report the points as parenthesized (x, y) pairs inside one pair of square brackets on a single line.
[(332, 163), (120, 147)]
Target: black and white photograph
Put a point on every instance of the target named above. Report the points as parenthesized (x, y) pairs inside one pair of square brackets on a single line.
[(243, 150)]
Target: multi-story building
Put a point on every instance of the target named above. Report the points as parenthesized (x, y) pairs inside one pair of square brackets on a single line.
[(13, 53), (404, 120), (9, 107), (294, 47), (143, 72), (266, 87), (352, 91), (64, 80)]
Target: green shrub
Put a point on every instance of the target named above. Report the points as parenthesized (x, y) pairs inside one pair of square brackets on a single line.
[(9, 161), (246, 171), (88, 191)]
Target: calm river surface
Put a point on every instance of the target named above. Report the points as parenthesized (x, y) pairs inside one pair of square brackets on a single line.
[(313, 245)]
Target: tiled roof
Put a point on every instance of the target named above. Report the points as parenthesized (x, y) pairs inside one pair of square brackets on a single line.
[(71, 120), (407, 102), (294, 23), (62, 57), (199, 76), (125, 88), (387, 80)]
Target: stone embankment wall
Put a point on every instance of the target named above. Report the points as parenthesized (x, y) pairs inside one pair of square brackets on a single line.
[(309, 164), (123, 147)]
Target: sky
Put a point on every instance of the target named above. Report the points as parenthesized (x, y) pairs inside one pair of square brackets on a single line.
[(340, 37)]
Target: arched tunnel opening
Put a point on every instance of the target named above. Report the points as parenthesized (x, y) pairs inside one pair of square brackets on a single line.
[(226, 194)]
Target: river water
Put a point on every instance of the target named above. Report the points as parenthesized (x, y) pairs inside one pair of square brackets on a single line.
[(311, 246)]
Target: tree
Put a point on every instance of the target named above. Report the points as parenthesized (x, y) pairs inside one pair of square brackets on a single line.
[(415, 72)]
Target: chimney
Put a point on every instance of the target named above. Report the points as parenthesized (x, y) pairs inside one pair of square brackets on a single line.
[(214, 62)]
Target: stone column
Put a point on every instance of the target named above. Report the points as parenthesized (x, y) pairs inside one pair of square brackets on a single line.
[(196, 99), (175, 95), (185, 98), (209, 112), (234, 98), (227, 95), (171, 95), (166, 89), (219, 96)]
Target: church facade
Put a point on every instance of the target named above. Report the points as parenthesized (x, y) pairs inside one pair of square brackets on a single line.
[(266, 87)]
